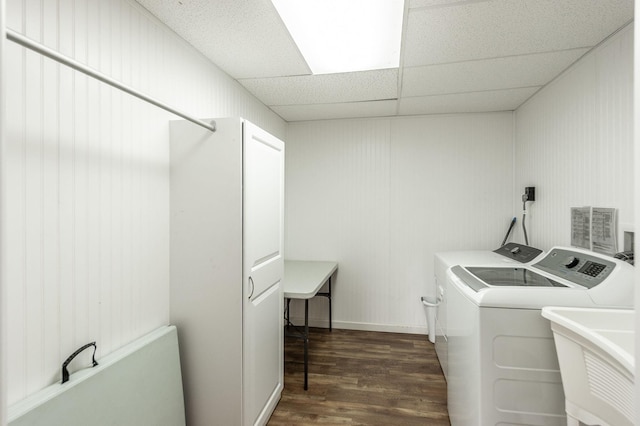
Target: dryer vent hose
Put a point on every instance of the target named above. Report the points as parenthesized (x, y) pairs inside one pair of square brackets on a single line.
[(524, 215), (506, 237)]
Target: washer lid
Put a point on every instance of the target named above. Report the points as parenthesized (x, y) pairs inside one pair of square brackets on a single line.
[(479, 278)]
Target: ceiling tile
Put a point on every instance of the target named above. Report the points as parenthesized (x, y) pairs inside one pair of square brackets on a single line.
[(325, 88), (493, 100), (246, 38), (488, 74), (339, 110), (491, 29)]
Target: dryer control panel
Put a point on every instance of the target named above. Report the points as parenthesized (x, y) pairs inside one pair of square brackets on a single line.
[(519, 252), (577, 267)]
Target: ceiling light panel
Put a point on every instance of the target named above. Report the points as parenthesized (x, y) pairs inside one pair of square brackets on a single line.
[(345, 35)]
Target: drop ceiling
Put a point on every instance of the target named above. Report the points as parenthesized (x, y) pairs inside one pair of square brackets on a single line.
[(457, 55)]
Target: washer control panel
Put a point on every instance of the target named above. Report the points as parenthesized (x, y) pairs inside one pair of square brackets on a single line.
[(580, 268)]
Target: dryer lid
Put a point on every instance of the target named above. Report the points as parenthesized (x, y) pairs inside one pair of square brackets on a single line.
[(513, 277)]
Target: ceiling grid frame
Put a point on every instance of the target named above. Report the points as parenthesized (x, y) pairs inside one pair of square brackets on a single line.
[(456, 55)]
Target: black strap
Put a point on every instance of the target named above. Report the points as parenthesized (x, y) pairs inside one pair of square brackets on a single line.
[(65, 372)]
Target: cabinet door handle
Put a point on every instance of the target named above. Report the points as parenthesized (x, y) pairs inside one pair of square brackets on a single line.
[(252, 287)]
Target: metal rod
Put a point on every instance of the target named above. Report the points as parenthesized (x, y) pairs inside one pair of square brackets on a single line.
[(50, 53)]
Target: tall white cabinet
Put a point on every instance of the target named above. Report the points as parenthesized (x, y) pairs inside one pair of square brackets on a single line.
[(227, 221)]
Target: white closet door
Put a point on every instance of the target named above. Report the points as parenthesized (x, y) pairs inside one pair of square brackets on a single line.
[(263, 260)]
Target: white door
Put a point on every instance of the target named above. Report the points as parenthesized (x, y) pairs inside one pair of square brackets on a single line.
[(263, 263)]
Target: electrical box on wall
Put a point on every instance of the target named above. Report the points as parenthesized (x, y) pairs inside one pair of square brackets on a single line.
[(530, 193)]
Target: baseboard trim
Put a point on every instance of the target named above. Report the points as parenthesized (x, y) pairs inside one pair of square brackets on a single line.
[(363, 326)]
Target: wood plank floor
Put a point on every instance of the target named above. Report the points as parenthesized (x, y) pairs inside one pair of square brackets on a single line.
[(362, 378)]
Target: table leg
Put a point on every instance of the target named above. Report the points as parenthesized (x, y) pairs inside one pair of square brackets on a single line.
[(327, 294), (286, 316), (306, 342), (330, 321)]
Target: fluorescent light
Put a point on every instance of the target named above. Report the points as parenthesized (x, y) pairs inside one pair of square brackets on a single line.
[(345, 35)]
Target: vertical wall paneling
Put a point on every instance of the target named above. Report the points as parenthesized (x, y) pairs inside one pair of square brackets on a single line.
[(381, 196), (636, 197), (86, 179), (14, 219), (450, 185), (337, 204), (53, 132), (574, 141), (3, 245)]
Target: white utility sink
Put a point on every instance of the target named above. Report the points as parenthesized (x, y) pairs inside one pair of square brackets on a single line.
[(597, 363)]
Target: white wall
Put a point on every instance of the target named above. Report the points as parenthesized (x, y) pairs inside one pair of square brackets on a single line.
[(3, 245), (87, 178), (574, 143), (636, 197), (381, 196)]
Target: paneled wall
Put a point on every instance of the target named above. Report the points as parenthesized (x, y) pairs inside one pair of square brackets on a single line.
[(381, 196), (87, 178), (636, 198), (3, 245), (574, 143)]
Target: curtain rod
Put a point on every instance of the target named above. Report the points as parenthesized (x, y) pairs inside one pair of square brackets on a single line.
[(50, 53)]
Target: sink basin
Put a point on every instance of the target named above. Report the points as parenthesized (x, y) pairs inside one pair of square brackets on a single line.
[(596, 355)]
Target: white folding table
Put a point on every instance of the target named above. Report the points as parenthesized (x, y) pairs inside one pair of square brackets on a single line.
[(303, 279)]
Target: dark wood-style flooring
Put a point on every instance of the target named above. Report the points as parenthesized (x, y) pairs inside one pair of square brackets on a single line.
[(362, 378)]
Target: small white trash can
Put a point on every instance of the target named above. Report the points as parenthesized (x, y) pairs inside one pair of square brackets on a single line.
[(431, 304)]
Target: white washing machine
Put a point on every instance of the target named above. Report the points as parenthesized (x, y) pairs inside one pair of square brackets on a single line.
[(502, 367)]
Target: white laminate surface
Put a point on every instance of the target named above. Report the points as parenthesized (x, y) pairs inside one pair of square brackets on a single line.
[(303, 278)]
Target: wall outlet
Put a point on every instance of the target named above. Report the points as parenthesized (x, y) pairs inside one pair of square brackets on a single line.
[(530, 192)]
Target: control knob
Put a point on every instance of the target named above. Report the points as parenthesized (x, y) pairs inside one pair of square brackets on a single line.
[(571, 261)]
